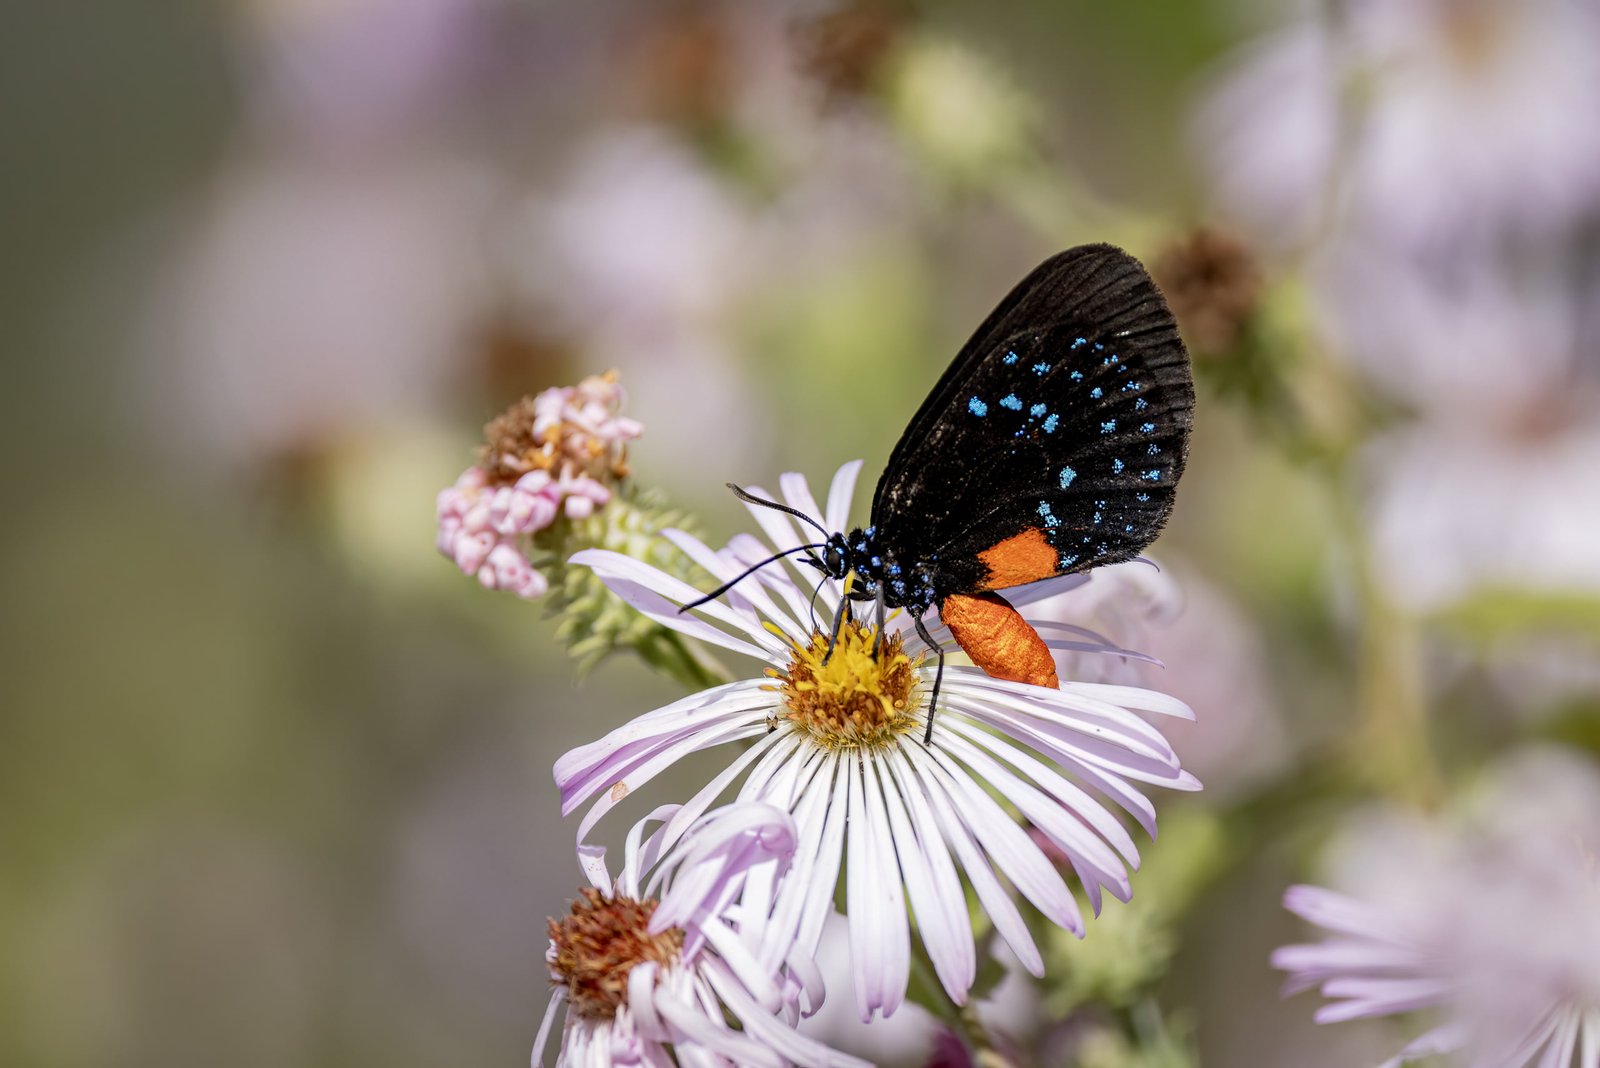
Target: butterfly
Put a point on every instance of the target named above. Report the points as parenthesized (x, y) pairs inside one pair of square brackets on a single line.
[(1051, 445)]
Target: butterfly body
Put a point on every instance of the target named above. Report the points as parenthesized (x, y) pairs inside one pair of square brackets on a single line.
[(1053, 444)]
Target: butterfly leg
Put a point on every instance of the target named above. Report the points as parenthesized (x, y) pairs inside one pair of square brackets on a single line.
[(839, 616), (877, 642), (938, 675)]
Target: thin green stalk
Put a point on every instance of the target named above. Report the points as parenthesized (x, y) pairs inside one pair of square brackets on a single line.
[(1391, 749)]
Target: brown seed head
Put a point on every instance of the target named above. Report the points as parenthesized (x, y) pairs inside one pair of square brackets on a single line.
[(596, 945), (518, 441), (845, 49)]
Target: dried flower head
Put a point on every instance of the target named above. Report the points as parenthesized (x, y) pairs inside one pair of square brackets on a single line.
[(1213, 284), (559, 454)]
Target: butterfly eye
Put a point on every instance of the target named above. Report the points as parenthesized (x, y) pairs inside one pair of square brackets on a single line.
[(835, 558)]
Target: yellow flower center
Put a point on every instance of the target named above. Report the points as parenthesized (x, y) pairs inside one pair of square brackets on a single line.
[(856, 700), (598, 943)]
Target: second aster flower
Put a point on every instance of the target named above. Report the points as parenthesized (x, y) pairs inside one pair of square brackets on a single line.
[(838, 743)]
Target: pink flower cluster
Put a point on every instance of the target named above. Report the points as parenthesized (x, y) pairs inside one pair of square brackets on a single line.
[(546, 458)]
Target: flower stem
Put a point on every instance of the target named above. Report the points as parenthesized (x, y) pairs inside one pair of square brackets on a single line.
[(1392, 750), (963, 1020)]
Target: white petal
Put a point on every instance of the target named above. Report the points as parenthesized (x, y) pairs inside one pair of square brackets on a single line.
[(700, 1030), (749, 591), (1014, 853), (1337, 912), (819, 889), (840, 494), (788, 1043), (1063, 791), (810, 810), (1133, 697), (659, 762), (582, 772), (1374, 996), (889, 940), (748, 551), (931, 881), (1085, 849), (557, 996), (996, 902), (659, 595), (691, 811)]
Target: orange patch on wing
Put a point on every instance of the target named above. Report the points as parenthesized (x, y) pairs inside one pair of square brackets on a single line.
[(1025, 557), (998, 639)]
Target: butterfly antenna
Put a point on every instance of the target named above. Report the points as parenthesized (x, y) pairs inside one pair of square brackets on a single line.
[(749, 498), (814, 595), (938, 676), (746, 573)]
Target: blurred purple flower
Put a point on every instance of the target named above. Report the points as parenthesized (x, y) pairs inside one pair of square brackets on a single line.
[(349, 73), (1489, 917), (1470, 339), (840, 746), (653, 964), (1427, 121), (309, 303), (1456, 513)]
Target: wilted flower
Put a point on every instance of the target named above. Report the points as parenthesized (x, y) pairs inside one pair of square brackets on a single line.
[(838, 742), (661, 963), (548, 456), (1490, 918)]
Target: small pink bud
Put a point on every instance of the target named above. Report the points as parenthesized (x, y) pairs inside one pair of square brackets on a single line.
[(512, 571), (472, 549)]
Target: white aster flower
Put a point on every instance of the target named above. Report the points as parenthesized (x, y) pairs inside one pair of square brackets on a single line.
[(840, 746), (1489, 919), (668, 964)]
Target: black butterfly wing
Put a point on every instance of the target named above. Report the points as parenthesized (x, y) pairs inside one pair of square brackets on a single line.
[(1054, 441)]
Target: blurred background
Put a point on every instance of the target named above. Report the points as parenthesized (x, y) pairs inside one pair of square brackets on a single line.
[(276, 777)]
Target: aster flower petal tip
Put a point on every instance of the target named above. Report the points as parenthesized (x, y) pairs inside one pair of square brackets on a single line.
[(656, 966), (838, 744)]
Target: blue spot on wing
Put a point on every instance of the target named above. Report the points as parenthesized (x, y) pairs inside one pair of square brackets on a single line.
[(1037, 410), (1108, 426), (1010, 401), (1067, 475), (1041, 368), (1094, 394), (977, 407), (1010, 359), (1051, 422), (1116, 467), (1044, 513)]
